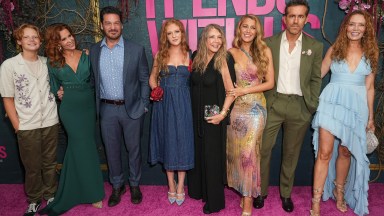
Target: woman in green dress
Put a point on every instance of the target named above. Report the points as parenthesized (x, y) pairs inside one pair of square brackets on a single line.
[(81, 180)]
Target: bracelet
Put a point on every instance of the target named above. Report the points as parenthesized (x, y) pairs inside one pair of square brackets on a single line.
[(224, 113)]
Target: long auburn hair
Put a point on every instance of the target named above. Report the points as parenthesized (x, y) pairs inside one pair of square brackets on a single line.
[(52, 47), (200, 61), (258, 46), (163, 54), (368, 41)]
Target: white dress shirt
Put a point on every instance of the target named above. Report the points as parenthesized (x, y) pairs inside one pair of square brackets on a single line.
[(289, 68)]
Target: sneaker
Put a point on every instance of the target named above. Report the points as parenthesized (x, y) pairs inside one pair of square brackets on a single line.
[(32, 209), (50, 200)]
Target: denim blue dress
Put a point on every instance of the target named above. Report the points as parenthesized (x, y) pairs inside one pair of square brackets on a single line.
[(171, 141), (343, 111)]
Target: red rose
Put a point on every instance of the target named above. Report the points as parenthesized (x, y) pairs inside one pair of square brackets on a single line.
[(157, 94), (190, 66)]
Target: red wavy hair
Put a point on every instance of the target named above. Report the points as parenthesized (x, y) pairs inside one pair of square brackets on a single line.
[(163, 54), (368, 41), (52, 48)]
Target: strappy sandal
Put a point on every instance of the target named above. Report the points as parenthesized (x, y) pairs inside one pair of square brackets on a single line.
[(341, 205), (172, 195), (98, 205), (180, 197), (317, 193), (244, 213)]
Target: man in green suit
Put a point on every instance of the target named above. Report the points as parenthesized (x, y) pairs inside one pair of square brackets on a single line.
[(291, 103)]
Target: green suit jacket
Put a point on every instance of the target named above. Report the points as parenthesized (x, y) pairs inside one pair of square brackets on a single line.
[(310, 70)]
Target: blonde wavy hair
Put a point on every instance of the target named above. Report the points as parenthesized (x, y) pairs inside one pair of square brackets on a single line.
[(163, 54), (258, 46), (200, 61), (368, 41)]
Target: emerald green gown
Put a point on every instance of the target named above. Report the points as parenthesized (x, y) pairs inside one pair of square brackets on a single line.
[(81, 179)]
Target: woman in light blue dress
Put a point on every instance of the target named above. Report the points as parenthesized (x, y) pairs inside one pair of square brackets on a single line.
[(344, 115)]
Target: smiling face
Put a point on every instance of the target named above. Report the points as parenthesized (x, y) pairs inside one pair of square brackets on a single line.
[(30, 41), (112, 26), (295, 19), (214, 41), (248, 30), (67, 40), (356, 27), (173, 34)]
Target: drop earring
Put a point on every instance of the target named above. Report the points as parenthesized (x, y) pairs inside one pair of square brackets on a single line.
[(59, 48)]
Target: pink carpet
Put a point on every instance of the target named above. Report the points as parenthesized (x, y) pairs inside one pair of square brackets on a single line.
[(12, 202)]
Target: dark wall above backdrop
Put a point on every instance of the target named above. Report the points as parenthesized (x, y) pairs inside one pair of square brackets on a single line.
[(142, 26)]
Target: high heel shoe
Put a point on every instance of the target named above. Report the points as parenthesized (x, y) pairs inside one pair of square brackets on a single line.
[(172, 195), (179, 200), (98, 204), (341, 205), (242, 204), (317, 193)]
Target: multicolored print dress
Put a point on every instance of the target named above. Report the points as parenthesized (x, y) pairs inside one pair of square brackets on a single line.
[(244, 134)]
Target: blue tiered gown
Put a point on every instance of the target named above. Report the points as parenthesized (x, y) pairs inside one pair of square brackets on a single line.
[(343, 111)]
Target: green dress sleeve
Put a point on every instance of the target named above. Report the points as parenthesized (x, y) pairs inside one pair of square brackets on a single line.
[(53, 80)]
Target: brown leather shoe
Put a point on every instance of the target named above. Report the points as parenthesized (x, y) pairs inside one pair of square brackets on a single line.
[(136, 196), (115, 197)]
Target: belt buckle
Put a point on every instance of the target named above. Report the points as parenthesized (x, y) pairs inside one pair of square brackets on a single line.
[(118, 102)]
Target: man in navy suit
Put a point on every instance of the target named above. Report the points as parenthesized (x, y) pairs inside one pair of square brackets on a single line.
[(120, 71)]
